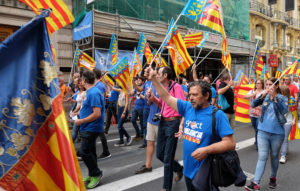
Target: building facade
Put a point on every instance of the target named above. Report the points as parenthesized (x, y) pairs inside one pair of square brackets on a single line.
[(276, 24), (14, 14)]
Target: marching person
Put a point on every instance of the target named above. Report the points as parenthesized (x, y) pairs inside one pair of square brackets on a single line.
[(271, 131), (91, 125), (168, 126), (197, 125)]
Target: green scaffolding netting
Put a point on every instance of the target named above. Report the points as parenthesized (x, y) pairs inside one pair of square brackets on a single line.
[(236, 12)]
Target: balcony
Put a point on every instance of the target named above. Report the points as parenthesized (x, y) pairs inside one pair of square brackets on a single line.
[(273, 13), (14, 4), (260, 7)]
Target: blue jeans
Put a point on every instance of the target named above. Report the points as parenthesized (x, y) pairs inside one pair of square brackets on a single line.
[(121, 121), (267, 142), (254, 122), (284, 147), (166, 148), (88, 152), (137, 113), (75, 132), (145, 118)]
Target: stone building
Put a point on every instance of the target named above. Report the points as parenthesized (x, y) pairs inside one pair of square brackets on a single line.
[(276, 24)]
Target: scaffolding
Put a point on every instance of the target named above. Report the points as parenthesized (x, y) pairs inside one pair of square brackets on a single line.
[(109, 17)]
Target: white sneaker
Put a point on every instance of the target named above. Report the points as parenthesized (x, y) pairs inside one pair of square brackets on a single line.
[(282, 160)]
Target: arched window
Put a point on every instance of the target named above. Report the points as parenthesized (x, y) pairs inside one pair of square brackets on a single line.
[(259, 35), (298, 46), (289, 43)]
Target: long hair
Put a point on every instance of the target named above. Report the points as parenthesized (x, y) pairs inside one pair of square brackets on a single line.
[(285, 91), (262, 83), (276, 83)]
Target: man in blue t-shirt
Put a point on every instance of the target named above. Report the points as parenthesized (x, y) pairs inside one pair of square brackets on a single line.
[(197, 125), (111, 108), (91, 125), (98, 84), (138, 108), (214, 94)]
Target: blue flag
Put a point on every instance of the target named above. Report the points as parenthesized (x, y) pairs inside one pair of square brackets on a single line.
[(29, 86)]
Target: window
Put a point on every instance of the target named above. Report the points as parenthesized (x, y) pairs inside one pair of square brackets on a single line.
[(289, 5), (271, 2), (258, 32)]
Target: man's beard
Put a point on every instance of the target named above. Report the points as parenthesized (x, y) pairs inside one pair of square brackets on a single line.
[(197, 106)]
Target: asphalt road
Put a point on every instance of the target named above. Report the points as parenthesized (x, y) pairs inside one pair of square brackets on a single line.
[(119, 169)]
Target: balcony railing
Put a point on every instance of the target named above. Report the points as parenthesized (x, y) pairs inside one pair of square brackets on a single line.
[(14, 3), (273, 13)]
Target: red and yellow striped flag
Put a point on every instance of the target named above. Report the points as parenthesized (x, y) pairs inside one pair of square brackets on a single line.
[(120, 72), (82, 59), (295, 132), (137, 66), (291, 69), (226, 57), (179, 54), (159, 61), (278, 73), (242, 104), (60, 16), (148, 54), (191, 40)]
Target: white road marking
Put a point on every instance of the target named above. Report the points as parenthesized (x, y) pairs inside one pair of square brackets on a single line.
[(136, 180)]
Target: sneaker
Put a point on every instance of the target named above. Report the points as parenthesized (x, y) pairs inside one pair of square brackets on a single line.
[(143, 169), (273, 183), (252, 187), (142, 146), (129, 141), (87, 179), (94, 181), (282, 159), (104, 156), (179, 175), (119, 144), (79, 158)]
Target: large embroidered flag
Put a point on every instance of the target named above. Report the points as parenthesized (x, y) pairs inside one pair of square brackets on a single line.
[(113, 50), (191, 40), (82, 59), (148, 54), (226, 57), (60, 16), (242, 105), (205, 12), (136, 65), (295, 132), (258, 63), (120, 72), (179, 54), (37, 151), (141, 47)]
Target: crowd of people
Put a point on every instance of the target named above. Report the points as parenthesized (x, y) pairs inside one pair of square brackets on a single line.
[(169, 109)]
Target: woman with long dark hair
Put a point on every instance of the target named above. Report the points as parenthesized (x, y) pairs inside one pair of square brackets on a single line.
[(271, 131)]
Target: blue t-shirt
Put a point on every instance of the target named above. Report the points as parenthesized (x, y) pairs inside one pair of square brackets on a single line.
[(101, 87), (139, 102), (153, 109), (75, 95), (114, 95), (213, 93), (198, 132), (270, 123), (93, 98), (145, 87)]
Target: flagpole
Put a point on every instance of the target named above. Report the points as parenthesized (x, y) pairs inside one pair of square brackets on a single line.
[(72, 66), (208, 54), (253, 59), (218, 76), (171, 29), (283, 73), (197, 57)]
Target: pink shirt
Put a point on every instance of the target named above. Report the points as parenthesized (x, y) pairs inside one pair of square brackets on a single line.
[(176, 92)]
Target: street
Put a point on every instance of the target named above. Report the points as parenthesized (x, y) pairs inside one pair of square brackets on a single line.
[(119, 169)]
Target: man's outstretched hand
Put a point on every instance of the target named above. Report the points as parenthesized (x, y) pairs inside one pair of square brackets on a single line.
[(150, 73)]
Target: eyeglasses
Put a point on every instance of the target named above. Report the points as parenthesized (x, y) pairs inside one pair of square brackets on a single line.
[(258, 83), (269, 84)]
